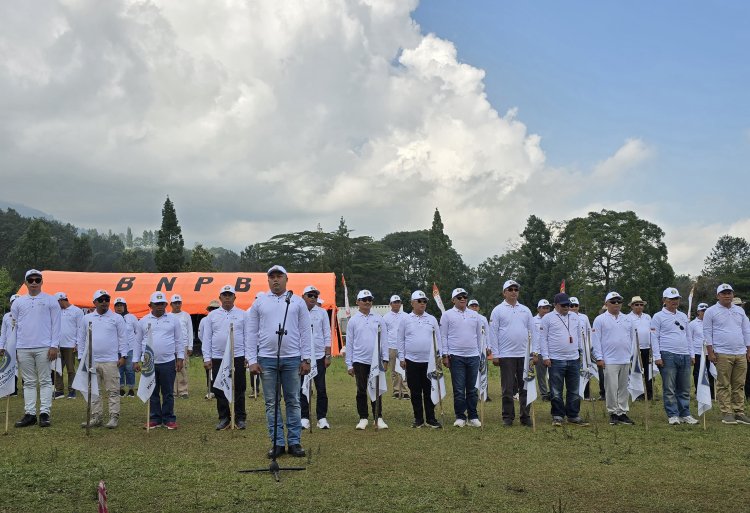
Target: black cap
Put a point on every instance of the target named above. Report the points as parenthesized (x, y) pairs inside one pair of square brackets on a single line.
[(562, 298)]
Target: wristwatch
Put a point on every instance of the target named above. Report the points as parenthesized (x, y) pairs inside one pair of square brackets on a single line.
[(306, 360)]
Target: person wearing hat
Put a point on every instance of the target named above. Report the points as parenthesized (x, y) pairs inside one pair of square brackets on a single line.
[(4, 333), (415, 348), (163, 332), (696, 332), (542, 308), (392, 319), (216, 337), (726, 331), (262, 343), (612, 341), (127, 374), (186, 323), (321, 335), (585, 322), (109, 348), (641, 323), (70, 319), (561, 346), (37, 316), (212, 305), (674, 355), (460, 343), (511, 329), (361, 343)]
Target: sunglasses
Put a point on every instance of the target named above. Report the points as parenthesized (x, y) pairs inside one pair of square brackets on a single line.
[(423, 301), (638, 304), (103, 299), (512, 289), (680, 325), (311, 295), (574, 306), (615, 302), (366, 300), (565, 305), (461, 297), (33, 280)]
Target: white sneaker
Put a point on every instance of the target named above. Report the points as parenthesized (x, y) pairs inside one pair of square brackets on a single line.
[(382, 424), (323, 424), (688, 420), (673, 420), (305, 423), (475, 423), (459, 423), (362, 424), (516, 397)]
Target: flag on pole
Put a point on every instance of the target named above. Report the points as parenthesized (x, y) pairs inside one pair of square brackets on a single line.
[(703, 393), (308, 378), (529, 376), (8, 364), (376, 369), (437, 381), (81, 382), (690, 301), (397, 368), (224, 375), (562, 286), (148, 378), (481, 383), (438, 299), (56, 365), (347, 309), (712, 370), (588, 365), (635, 377)]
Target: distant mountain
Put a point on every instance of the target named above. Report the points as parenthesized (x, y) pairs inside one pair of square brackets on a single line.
[(24, 210)]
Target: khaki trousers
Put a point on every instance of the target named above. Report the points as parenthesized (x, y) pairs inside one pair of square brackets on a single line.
[(109, 383), (730, 382), (181, 380), (397, 382), (616, 387)]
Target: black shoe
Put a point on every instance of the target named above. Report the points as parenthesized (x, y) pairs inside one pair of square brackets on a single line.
[(406, 396), (489, 400), (434, 424), (527, 423), (44, 420), (131, 393), (417, 424), (507, 423), (279, 451), (223, 424), (58, 395), (296, 450), (122, 392), (545, 398), (624, 419), (26, 420), (613, 419), (241, 424)]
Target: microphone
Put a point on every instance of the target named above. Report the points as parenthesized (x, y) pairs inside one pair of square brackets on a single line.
[(289, 294)]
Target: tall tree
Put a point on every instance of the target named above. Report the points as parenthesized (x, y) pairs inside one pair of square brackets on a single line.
[(250, 259), (81, 255), (536, 259), (129, 238), (35, 249), (170, 245), (446, 268), (490, 276), (410, 252), (728, 257), (201, 260)]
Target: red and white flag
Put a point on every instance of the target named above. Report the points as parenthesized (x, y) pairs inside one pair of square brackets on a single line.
[(347, 309), (438, 300)]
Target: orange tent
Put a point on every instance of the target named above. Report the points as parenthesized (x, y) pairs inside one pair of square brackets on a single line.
[(196, 289)]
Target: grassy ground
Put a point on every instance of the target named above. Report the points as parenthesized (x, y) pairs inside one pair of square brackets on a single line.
[(599, 468)]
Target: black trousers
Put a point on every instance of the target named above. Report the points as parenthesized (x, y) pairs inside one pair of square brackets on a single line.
[(321, 399), (361, 374), (511, 380), (696, 369), (648, 372), (240, 384), (420, 389)]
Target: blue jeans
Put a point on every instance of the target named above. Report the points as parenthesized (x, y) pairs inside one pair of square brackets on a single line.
[(127, 374), (290, 387), (675, 376), (464, 371), (162, 411), (565, 372)]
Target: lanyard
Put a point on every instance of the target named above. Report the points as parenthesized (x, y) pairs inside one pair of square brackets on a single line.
[(567, 326)]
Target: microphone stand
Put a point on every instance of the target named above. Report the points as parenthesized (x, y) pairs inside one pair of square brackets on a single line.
[(274, 468)]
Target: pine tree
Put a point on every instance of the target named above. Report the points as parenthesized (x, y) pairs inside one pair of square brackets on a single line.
[(35, 249), (201, 260), (170, 245)]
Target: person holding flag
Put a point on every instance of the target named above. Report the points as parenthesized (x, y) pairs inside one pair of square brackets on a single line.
[(414, 341), (511, 325), (212, 305), (162, 344), (186, 323), (70, 319), (215, 344), (321, 342), (542, 308), (392, 320), (127, 374), (699, 348), (5, 330), (460, 344), (585, 327), (612, 338), (641, 323), (109, 347), (363, 333), (37, 316)]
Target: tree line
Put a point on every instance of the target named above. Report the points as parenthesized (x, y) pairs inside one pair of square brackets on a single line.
[(603, 251)]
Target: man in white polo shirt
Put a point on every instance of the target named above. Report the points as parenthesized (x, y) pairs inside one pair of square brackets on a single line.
[(641, 323), (321, 335), (70, 320), (186, 323), (37, 316), (542, 308), (727, 334), (392, 319)]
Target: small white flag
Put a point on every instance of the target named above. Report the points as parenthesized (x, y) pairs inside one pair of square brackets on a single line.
[(529, 379), (308, 379), (482, 373), (376, 369), (712, 370), (635, 377), (437, 380), (703, 393), (588, 365), (81, 380), (8, 364), (224, 375), (148, 377), (56, 365), (437, 298)]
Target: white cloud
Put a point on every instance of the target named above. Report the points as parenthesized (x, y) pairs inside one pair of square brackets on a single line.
[(629, 155)]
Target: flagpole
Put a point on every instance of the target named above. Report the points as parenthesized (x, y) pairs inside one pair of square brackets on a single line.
[(148, 403), (481, 401), (643, 376), (587, 350), (439, 373), (88, 376), (377, 381), (7, 412), (531, 365), (704, 359), (312, 358), (231, 369)]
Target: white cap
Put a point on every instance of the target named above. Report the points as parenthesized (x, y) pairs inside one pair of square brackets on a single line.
[(32, 272), (158, 297), (99, 293), (457, 292), (543, 302), (226, 288), (176, 298), (510, 283), (61, 295), (14, 297), (320, 300), (670, 293), (612, 295), (310, 288), (573, 300), (418, 294), (724, 286), (473, 302), (364, 293), (276, 268), (120, 301), (702, 306), (394, 298)]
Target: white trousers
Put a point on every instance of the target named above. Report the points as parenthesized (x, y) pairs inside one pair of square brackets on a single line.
[(616, 387), (35, 370)]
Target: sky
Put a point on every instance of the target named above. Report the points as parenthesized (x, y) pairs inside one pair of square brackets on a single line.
[(270, 116)]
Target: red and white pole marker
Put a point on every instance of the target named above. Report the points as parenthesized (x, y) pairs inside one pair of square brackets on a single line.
[(102, 492)]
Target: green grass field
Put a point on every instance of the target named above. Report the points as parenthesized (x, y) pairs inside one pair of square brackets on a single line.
[(598, 468)]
